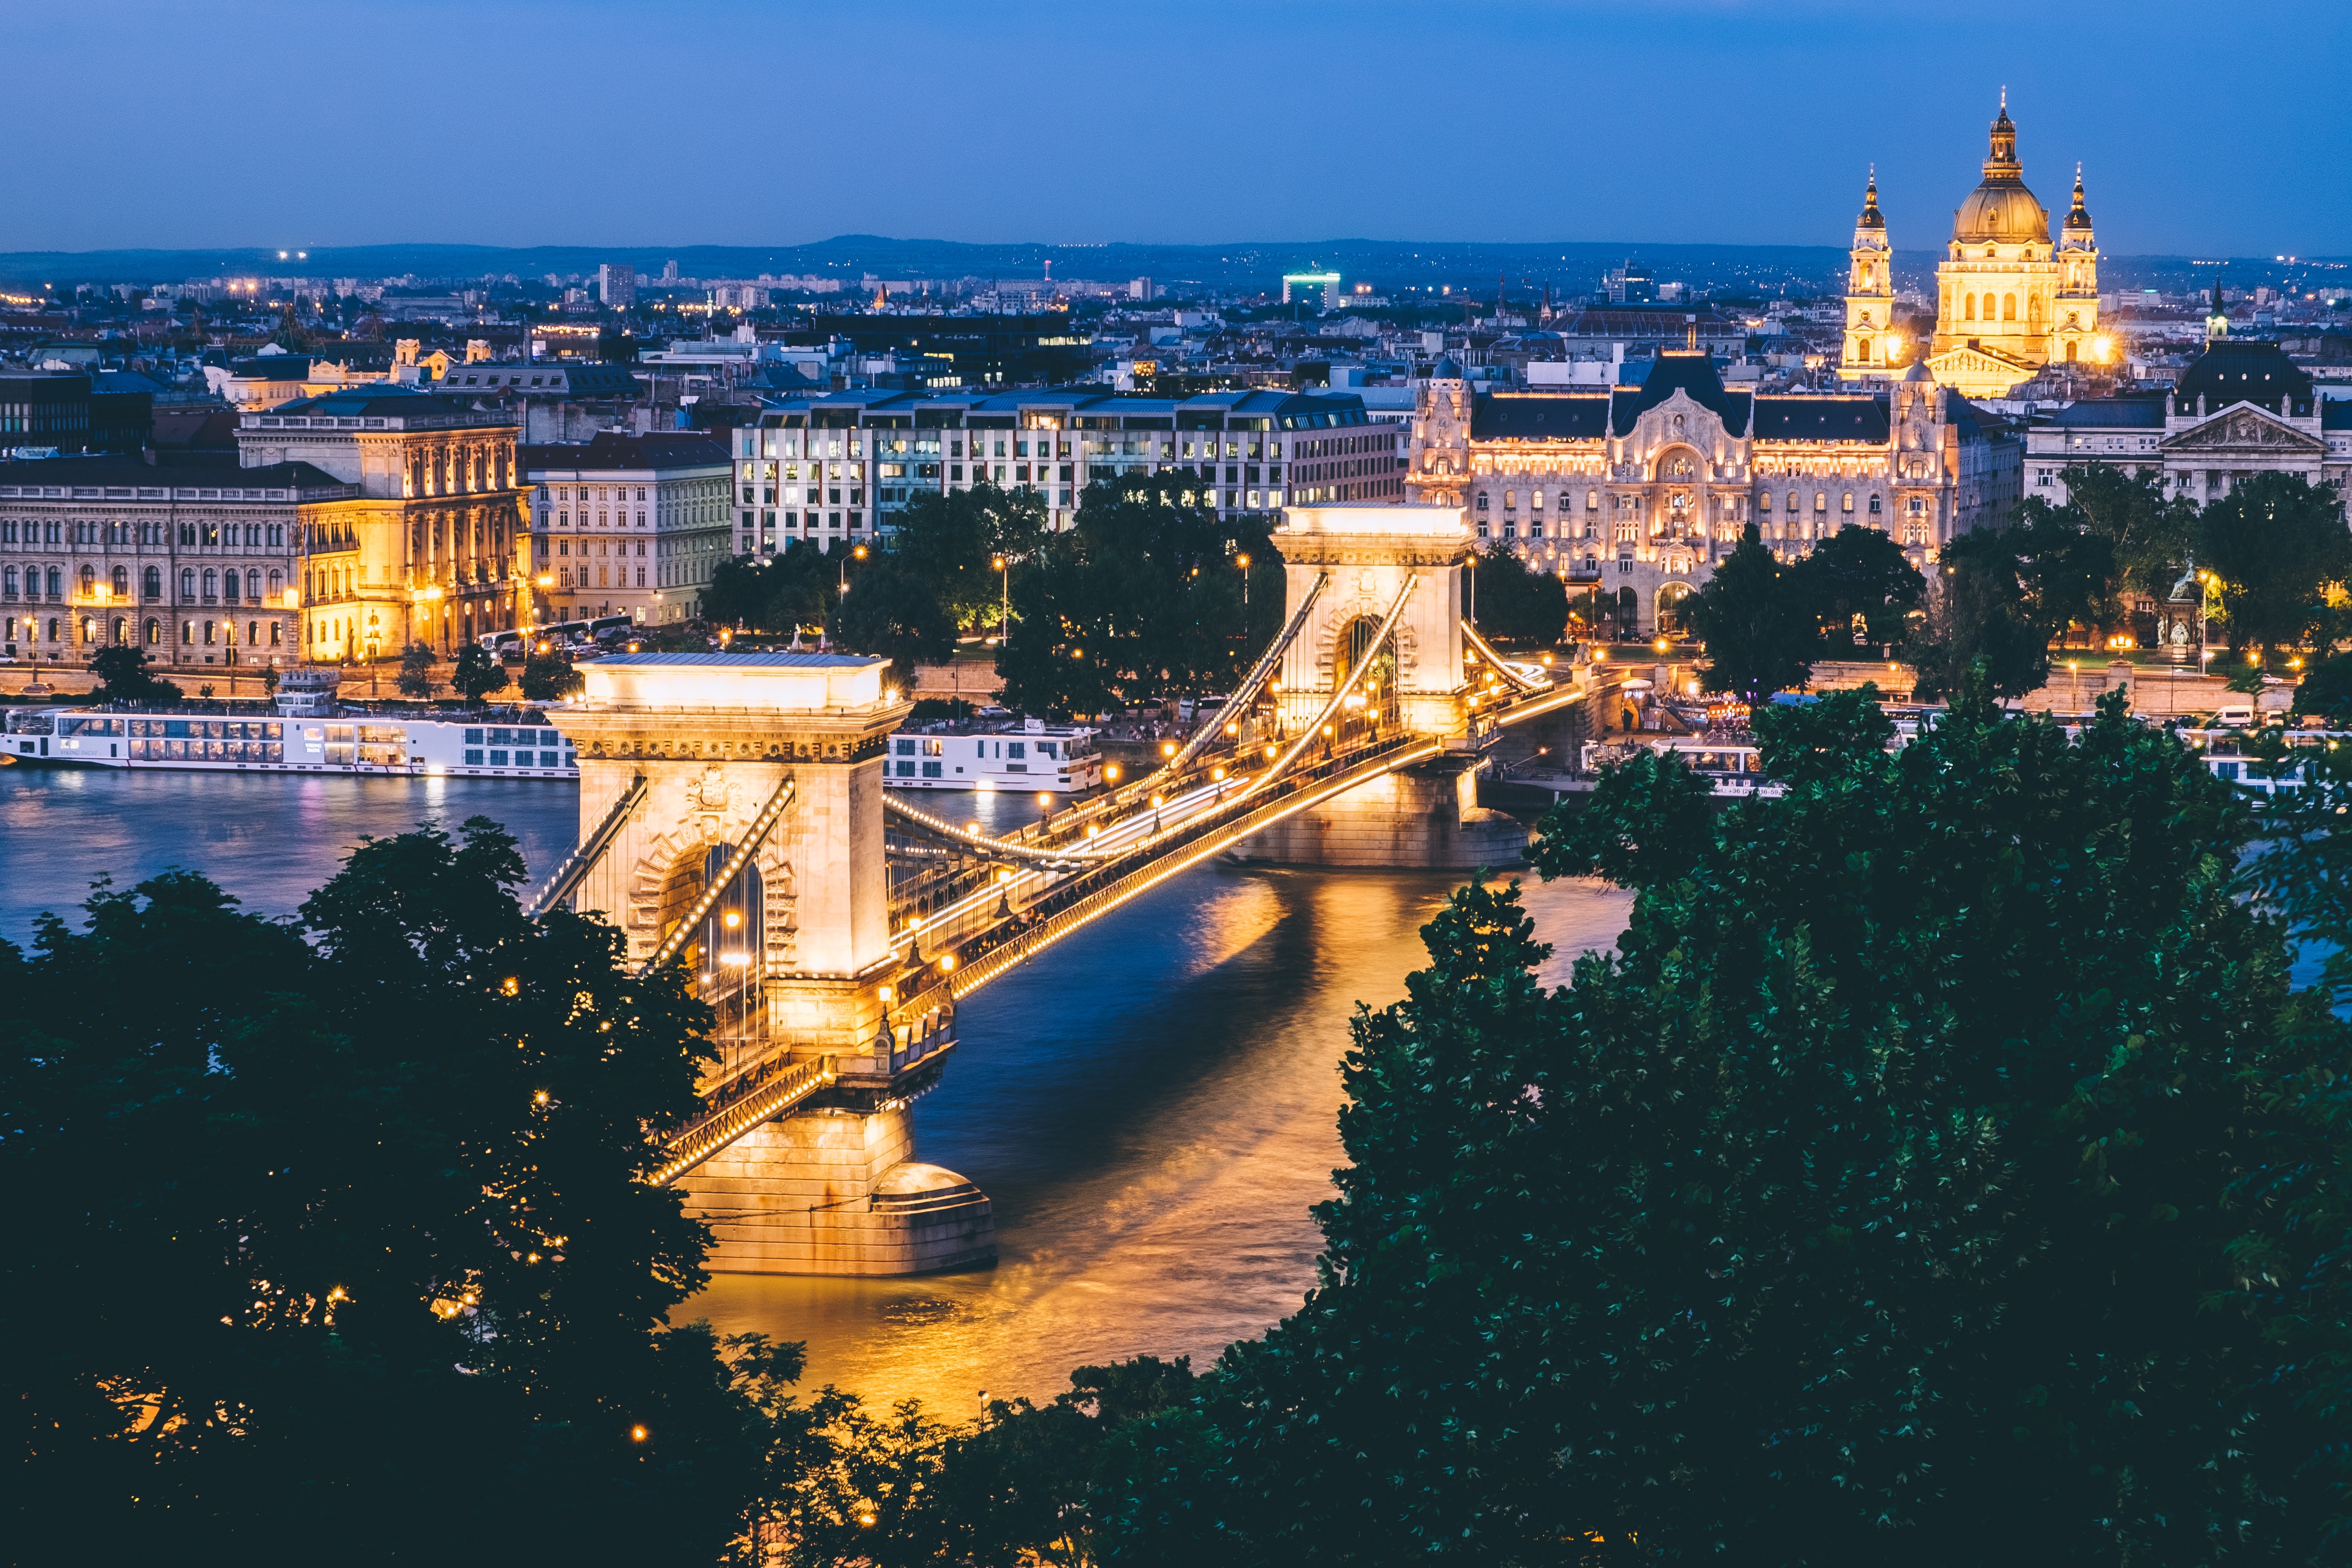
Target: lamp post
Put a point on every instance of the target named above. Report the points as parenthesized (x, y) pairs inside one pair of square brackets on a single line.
[(1242, 561), (859, 553), (1003, 595)]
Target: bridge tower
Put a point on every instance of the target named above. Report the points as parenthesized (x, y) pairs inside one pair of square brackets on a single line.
[(1354, 567), (762, 773)]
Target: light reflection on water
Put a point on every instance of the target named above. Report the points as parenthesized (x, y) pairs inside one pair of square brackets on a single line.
[(1150, 1106)]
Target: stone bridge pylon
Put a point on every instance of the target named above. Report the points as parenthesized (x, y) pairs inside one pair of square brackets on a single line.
[(1350, 566), (730, 812)]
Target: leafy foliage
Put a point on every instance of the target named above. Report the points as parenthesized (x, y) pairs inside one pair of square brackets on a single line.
[(2275, 542), (549, 677), (1859, 574), (1757, 628), (351, 1215), (890, 610), (476, 675), (950, 542), (797, 588), (1901, 1186), (416, 679), (1517, 603), (1140, 600), (125, 676), (2000, 595)]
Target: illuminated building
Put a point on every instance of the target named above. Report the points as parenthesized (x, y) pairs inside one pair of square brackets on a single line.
[(627, 525), (834, 465), (1872, 346), (2242, 408), (432, 552), (192, 564), (1635, 494), (2008, 301)]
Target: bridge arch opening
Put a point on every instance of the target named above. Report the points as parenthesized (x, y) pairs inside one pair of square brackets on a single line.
[(1373, 703), (726, 953)]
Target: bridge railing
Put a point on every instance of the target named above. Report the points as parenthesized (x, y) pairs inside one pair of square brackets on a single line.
[(1089, 895), (787, 1085)]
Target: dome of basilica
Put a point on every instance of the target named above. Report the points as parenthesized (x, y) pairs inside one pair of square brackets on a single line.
[(2001, 210)]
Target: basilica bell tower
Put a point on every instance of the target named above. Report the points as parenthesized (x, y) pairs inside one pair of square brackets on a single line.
[(1871, 345)]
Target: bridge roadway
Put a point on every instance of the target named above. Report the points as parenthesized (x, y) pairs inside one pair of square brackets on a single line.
[(1028, 890)]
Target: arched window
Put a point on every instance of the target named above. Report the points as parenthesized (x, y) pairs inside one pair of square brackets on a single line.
[(187, 582), (2070, 351), (56, 585), (253, 584), (228, 585), (1821, 500), (1846, 505), (8, 581), (1793, 503), (154, 581), (212, 583), (1764, 502), (88, 580), (1862, 349), (1970, 301), (121, 631), (277, 586), (122, 584), (1534, 499), (154, 631), (2009, 307)]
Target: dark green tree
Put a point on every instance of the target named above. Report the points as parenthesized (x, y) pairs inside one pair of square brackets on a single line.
[(1754, 621), (1515, 603), (416, 679), (125, 676), (2275, 542), (355, 1208), (1142, 601), (2001, 594), (2149, 533), (1902, 1158), (1859, 575), (549, 677), (476, 675), (2325, 692), (893, 611), (950, 542)]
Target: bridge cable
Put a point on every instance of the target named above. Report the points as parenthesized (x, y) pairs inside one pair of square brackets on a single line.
[(1470, 634), (1339, 692), (582, 860)]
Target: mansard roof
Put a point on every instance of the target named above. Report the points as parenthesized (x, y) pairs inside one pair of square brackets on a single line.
[(2243, 369), (2113, 413), (1695, 376), (2335, 414), (1822, 419), (1539, 416)]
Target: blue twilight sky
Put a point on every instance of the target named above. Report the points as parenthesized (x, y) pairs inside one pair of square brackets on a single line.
[(2204, 129)]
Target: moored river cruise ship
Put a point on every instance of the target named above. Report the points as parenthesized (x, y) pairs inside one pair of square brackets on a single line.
[(1019, 754), (518, 744)]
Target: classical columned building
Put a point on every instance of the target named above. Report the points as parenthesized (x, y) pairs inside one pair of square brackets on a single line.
[(433, 550)]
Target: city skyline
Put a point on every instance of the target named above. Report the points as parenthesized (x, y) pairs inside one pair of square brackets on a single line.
[(1691, 125)]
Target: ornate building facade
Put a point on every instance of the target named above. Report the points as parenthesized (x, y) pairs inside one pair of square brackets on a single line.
[(1635, 494), (2009, 300), (434, 551)]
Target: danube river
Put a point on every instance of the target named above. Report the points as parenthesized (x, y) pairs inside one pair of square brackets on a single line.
[(1151, 1104)]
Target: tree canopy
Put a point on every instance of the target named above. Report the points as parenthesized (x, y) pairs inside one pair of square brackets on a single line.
[(1756, 623), (1893, 1191), (1859, 575), (126, 674), (2275, 543), (1515, 603), (335, 1229), (1141, 599)]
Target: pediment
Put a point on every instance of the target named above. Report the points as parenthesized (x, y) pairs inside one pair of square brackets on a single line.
[(1977, 362), (2244, 427)]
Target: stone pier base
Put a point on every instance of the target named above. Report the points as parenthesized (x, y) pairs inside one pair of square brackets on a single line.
[(1420, 818), (829, 1191)]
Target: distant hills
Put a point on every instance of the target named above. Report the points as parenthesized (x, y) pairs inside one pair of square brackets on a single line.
[(1567, 267)]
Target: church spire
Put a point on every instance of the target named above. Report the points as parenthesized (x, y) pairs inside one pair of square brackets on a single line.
[(1871, 217), (2003, 158), (2078, 217)]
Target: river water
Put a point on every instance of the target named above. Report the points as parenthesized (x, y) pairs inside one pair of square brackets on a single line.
[(1150, 1106)]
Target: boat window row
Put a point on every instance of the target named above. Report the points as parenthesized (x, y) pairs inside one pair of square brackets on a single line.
[(497, 759), (207, 751), (176, 728), (514, 738)]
